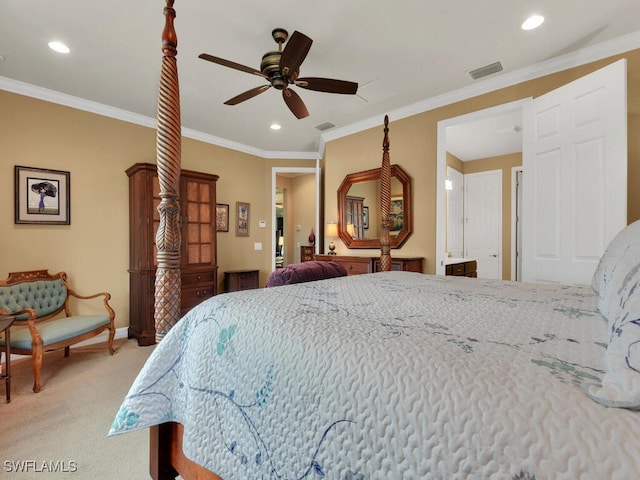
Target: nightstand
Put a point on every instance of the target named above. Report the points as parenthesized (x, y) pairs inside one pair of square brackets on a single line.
[(306, 253), (236, 280)]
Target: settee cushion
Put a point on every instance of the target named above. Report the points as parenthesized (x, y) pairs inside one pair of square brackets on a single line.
[(305, 272), (44, 296), (58, 330)]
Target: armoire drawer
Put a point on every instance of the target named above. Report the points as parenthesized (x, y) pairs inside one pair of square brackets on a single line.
[(192, 296), (190, 279)]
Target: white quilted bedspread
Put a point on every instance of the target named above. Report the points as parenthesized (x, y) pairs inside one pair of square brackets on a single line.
[(391, 375)]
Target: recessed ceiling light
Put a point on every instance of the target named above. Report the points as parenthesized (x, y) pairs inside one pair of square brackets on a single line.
[(534, 21), (59, 47), (275, 126)]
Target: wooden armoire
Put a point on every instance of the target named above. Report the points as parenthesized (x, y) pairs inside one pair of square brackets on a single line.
[(198, 263)]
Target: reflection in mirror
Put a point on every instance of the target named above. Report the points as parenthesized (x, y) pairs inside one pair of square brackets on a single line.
[(359, 209)]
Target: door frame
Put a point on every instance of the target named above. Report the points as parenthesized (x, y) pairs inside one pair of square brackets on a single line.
[(441, 167), (305, 170), (516, 219)]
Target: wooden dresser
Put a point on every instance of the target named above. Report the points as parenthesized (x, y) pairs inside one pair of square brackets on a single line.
[(198, 247), (357, 265), (461, 267)]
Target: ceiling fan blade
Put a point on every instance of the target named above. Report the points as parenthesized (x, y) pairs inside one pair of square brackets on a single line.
[(247, 95), (230, 64), (294, 53), (328, 85), (295, 103)]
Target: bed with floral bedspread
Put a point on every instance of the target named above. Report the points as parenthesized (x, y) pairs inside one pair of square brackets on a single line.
[(403, 375)]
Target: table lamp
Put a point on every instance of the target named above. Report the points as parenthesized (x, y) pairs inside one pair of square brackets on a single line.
[(332, 232)]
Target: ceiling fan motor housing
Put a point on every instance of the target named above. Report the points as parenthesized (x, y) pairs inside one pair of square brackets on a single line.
[(270, 66)]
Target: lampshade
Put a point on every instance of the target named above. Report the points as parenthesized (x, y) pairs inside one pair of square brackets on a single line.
[(332, 230), (281, 241), (351, 230)]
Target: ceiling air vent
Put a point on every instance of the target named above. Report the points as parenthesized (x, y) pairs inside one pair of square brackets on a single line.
[(325, 126), (486, 70)]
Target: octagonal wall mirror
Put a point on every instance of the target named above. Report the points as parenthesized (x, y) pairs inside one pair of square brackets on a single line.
[(359, 209)]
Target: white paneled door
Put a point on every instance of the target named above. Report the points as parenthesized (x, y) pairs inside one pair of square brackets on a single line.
[(483, 221), (575, 176)]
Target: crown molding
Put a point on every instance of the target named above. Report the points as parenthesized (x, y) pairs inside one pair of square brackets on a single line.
[(594, 53), (570, 60), (83, 104)]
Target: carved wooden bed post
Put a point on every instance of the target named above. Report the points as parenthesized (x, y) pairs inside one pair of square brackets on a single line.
[(385, 201), (167, 296)]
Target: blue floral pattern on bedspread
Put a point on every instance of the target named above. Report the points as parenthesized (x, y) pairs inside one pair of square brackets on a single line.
[(387, 375)]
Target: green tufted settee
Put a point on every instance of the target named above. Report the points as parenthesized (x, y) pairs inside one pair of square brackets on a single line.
[(44, 322)]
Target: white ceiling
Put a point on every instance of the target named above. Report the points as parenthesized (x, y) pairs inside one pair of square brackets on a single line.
[(487, 137), (402, 54)]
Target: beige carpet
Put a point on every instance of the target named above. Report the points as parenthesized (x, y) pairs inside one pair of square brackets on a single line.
[(65, 426)]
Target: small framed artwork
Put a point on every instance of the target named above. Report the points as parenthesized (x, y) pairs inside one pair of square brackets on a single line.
[(42, 196), (365, 217), (222, 217), (242, 219)]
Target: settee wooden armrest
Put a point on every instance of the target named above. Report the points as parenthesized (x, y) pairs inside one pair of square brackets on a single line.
[(40, 301)]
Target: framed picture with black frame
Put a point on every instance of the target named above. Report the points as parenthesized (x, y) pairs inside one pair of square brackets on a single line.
[(42, 196)]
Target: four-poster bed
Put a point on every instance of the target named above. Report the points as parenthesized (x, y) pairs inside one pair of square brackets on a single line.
[(394, 374)]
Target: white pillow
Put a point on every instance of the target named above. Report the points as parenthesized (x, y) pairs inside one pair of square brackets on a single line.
[(613, 266), (617, 279)]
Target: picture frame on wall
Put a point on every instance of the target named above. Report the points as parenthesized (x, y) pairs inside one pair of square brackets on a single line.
[(365, 217), (42, 196), (222, 217), (242, 219)]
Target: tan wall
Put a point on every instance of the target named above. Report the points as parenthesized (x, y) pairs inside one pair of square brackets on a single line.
[(453, 162), (96, 150), (414, 147)]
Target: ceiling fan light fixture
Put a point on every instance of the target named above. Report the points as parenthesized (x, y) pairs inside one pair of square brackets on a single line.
[(533, 22)]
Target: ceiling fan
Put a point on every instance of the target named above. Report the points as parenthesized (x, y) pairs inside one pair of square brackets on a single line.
[(281, 69)]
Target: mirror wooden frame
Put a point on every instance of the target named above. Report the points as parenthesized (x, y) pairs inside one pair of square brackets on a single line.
[(372, 175)]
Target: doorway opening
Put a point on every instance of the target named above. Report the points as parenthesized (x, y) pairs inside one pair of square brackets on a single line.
[(295, 211), (505, 120)]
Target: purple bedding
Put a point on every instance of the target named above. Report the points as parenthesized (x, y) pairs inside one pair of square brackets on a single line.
[(305, 272)]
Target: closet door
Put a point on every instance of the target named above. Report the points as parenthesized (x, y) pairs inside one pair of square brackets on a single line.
[(483, 222), (575, 176)]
